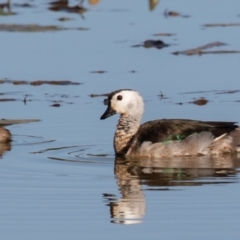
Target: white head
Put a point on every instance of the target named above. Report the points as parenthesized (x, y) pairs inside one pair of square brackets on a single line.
[(125, 102)]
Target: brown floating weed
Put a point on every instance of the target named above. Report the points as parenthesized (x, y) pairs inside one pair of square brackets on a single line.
[(201, 50)]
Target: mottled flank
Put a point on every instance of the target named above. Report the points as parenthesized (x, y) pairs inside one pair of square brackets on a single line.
[(166, 137)]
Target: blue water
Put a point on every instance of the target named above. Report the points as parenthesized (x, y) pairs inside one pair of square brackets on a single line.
[(60, 179)]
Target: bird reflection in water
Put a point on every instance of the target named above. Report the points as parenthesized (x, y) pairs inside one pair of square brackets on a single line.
[(5, 140), (4, 147), (134, 177), (130, 208)]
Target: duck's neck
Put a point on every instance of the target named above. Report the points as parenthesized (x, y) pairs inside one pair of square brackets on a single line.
[(126, 129)]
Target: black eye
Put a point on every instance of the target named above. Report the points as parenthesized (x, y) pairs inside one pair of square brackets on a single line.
[(119, 97)]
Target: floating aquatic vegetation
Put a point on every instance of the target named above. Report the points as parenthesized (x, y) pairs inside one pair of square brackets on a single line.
[(105, 100), (174, 14), (203, 101), (56, 100), (99, 95), (159, 44), (7, 99), (228, 91), (74, 9), (201, 50), (40, 82), (164, 34), (64, 6), (59, 2), (56, 105), (222, 25), (26, 5), (200, 101), (19, 82), (162, 96), (214, 91), (34, 28), (155, 43), (5, 122), (64, 19), (98, 71), (193, 92)]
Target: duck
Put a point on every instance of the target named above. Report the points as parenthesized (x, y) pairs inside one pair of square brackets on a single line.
[(5, 135), (165, 137)]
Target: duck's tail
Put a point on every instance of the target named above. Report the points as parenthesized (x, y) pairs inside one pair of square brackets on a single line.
[(226, 143)]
